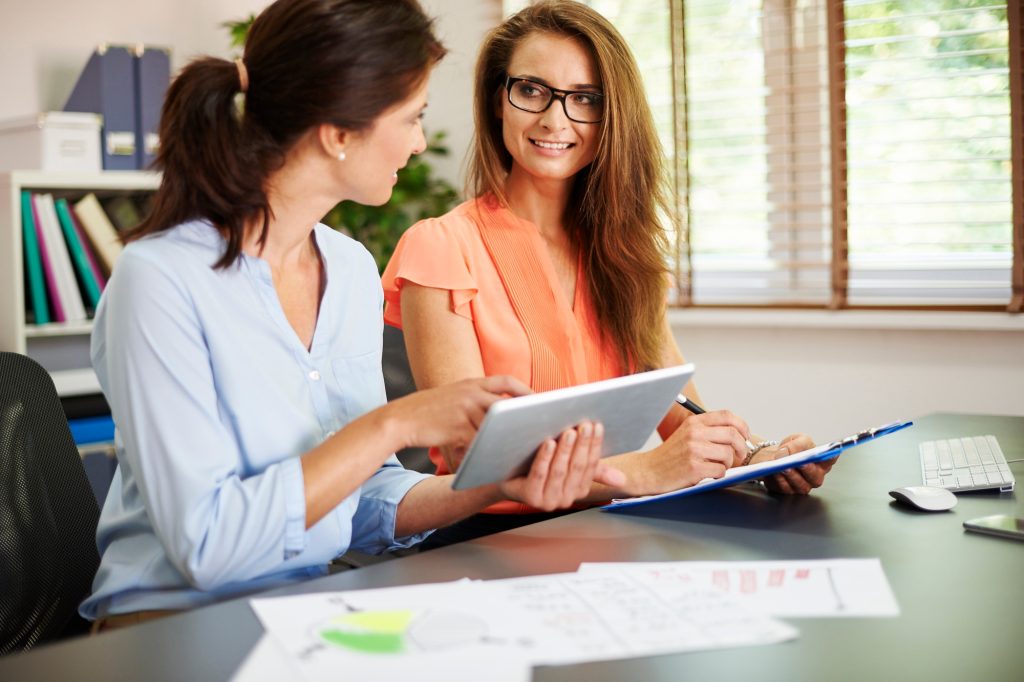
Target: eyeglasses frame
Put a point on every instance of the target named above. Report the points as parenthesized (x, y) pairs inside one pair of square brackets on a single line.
[(556, 93)]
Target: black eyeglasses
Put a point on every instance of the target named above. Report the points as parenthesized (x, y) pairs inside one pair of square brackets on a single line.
[(579, 105)]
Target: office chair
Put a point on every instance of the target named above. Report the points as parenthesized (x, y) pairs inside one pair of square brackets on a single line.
[(48, 513)]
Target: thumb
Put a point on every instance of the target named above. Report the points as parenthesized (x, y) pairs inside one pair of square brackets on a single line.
[(609, 475), (503, 384)]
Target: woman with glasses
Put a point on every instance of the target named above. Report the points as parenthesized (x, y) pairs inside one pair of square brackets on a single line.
[(239, 341), (555, 272)]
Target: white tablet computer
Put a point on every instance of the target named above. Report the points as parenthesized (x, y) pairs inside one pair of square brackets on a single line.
[(629, 407)]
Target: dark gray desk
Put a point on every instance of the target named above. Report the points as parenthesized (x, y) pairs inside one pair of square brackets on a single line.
[(960, 593)]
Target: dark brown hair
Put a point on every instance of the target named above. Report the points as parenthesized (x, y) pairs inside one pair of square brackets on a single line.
[(613, 212), (309, 62)]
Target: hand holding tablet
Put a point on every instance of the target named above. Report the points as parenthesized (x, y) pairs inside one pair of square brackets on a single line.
[(629, 409)]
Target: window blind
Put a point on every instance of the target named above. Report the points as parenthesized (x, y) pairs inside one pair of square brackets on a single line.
[(928, 152), (756, 137)]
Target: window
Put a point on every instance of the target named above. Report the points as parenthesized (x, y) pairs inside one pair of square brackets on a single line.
[(928, 151), (866, 166), (756, 131), (876, 164)]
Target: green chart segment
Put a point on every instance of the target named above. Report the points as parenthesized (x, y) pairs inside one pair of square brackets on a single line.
[(369, 632)]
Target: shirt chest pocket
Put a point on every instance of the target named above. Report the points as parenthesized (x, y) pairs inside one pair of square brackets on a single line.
[(360, 383)]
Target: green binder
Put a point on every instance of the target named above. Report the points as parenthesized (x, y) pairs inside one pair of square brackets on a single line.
[(81, 261), (33, 262)]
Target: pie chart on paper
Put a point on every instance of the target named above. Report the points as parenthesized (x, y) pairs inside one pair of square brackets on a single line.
[(369, 632), (390, 632)]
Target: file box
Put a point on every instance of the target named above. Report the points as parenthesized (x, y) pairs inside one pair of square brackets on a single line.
[(52, 141)]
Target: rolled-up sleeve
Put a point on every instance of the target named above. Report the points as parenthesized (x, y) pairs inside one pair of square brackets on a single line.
[(373, 526), (295, 507)]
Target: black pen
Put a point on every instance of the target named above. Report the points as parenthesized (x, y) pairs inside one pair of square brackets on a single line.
[(689, 404), (693, 407)]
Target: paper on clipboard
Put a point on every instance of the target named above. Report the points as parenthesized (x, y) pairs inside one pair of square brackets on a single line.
[(762, 469)]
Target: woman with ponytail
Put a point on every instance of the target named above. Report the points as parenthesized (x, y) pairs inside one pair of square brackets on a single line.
[(555, 273), (239, 341)]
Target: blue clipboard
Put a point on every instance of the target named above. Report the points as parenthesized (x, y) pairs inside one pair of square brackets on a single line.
[(756, 471)]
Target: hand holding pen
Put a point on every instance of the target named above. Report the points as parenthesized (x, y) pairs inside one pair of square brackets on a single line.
[(800, 480), (752, 449)]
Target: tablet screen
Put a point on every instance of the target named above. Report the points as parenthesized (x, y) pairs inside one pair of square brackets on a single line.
[(629, 407)]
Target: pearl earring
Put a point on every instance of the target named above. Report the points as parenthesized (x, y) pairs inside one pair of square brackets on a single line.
[(341, 155)]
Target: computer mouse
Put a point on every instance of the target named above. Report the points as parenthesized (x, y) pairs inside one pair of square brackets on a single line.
[(926, 497)]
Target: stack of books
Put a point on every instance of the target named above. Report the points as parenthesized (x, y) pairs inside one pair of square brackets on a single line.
[(69, 251)]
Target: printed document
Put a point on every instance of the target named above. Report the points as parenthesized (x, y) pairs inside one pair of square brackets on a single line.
[(784, 589), (498, 629)]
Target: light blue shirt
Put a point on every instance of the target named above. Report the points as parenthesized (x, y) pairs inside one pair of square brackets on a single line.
[(215, 398)]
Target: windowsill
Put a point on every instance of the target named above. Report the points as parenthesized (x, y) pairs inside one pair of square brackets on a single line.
[(908, 320)]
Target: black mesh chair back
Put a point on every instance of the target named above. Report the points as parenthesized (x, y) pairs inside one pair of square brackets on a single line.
[(48, 513)]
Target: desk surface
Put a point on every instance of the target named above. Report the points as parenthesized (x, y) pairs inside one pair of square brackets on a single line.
[(959, 593)]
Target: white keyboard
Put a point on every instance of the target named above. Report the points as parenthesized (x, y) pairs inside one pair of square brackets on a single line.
[(961, 464)]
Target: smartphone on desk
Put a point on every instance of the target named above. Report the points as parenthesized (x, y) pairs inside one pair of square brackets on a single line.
[(1002, 525)]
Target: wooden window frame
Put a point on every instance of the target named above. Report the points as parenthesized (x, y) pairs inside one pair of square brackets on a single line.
[(839, 265)]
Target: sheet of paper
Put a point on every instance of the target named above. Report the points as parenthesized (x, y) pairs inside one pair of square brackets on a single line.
[(790, 589), (497, 630), (607, 615), (733, 476), (432, 633)]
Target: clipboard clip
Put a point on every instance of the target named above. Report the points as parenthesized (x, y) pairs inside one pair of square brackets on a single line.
[(866, 434)]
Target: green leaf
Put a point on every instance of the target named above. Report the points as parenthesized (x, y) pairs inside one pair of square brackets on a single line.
[(238, 30)]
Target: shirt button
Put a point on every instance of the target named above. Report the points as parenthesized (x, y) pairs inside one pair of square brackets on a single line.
[(314, 375)]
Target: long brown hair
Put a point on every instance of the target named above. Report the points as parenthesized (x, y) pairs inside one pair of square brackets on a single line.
[(613, 212), (308, 62)]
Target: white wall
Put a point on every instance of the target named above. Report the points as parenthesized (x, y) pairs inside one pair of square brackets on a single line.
[(461, 26), (44, 44), (830, 375)]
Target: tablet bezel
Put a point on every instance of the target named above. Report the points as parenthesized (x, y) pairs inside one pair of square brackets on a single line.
[(629, 407)]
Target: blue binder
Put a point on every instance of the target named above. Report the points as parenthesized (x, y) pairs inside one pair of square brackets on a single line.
[(88, 430), (106, 86), (152, 76)]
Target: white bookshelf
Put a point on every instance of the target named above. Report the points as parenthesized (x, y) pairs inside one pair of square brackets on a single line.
[(62, 348)]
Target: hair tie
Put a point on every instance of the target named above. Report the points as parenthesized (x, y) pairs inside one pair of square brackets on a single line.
[(243, 75)]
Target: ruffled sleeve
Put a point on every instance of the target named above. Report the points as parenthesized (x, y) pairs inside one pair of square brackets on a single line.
[(430, 254)]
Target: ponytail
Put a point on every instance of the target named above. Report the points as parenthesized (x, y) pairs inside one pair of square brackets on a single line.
[(307, 62), (213, 159)]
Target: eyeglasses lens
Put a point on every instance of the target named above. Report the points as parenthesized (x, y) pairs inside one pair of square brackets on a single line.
[(579, 106)]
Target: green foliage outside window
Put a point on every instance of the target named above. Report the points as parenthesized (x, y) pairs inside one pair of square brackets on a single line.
[(418, 193), (930, 78)]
